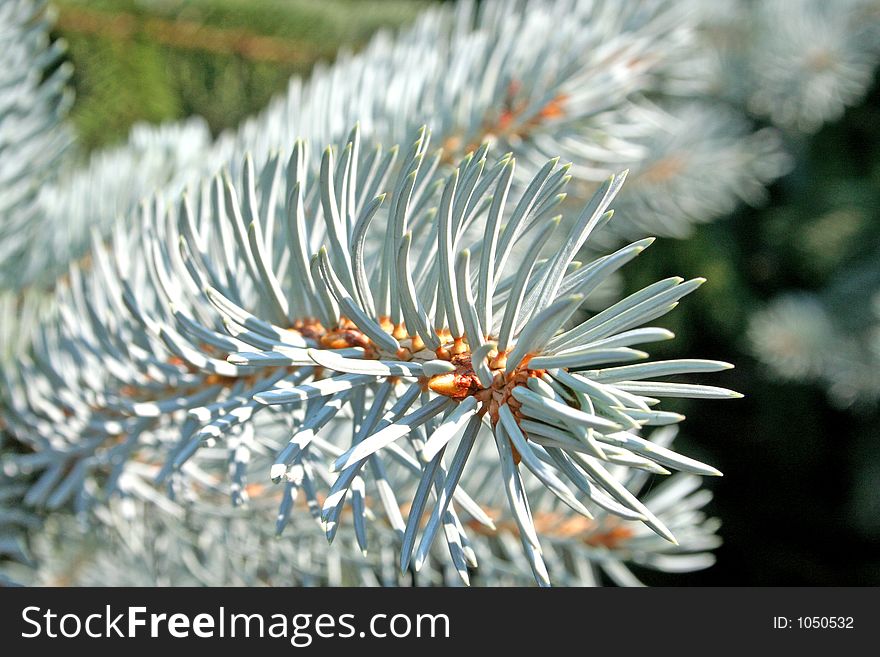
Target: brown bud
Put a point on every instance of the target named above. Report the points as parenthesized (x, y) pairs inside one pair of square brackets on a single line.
[(499, 362), (444, 384), (385, 323)]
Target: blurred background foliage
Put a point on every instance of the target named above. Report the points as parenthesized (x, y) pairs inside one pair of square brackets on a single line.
[(161, 60), (800, 500)]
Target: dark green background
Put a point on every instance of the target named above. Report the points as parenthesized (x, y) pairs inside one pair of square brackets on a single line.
[(124, 78)]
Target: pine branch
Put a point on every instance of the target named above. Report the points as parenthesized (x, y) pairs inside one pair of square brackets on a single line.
[(389, 333), (204, 326), (33, 103)]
